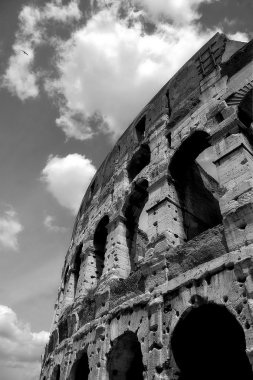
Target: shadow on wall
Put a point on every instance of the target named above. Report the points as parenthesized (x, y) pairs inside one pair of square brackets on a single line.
[(137, 239), (195, 188), (99, 241)]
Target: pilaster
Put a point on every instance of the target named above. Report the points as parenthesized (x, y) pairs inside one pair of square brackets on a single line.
[(235, 172)]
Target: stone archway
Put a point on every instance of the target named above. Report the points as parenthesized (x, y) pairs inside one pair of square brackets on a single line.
[(137, 239), (56, 373), (125, 358), (99, 241), (80, 369), (195, 188), (208, 343)]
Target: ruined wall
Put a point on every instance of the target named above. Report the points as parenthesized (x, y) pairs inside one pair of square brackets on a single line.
[(159, 239)]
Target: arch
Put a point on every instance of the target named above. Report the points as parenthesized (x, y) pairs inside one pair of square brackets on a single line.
[(125, 358), (56, 373), (77, 266), (140, 159), (137, 239), (209, 343), (99, 242), (194, 186), (80, 369)]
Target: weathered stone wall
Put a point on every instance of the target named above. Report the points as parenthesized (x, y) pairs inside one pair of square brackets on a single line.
[(127, 280)]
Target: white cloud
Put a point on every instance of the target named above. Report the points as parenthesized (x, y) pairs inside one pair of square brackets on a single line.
[(20, 77), (67, 178), (111, 70), (10, 227), (111, 66), (239, 36), (49, 223), (20, 348), (58, 12), (180, 11)]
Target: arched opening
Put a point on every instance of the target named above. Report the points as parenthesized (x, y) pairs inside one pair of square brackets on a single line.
[(56, 373), (195, 186), (100, 238), (245, 109), (77, 266), (140, 128), (136, 225), (209, 343), (80, 369), (63, 330), (125, 358), (140, 159)]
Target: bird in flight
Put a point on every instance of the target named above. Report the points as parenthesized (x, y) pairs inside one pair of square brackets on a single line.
[(24, 52)]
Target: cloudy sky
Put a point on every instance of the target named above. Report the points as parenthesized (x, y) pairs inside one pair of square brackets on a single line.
[(73, 74)]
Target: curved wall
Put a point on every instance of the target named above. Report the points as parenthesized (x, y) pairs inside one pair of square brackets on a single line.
[(161, 228)]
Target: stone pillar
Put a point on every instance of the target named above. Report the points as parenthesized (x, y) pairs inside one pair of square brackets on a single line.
[(117, 260), (235, 171), (69, 289), (164, 213), (88, 271)]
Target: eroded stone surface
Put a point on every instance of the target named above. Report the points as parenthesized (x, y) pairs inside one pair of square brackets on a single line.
[(162, 247)]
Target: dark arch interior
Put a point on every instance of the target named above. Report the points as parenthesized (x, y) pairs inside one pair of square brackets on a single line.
[(80, 369), (138, 162), (125, 358), (209, 344), (140, 128), (199, 207), (77, 264), (245, 109), (56, 373), (137, 239), (99, 241)]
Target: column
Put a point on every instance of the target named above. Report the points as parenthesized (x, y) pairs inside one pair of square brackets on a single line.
[(235, 171)]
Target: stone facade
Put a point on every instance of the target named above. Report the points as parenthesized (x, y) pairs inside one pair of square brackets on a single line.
[(158, 279)]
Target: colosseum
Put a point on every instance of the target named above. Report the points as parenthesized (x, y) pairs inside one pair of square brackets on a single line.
[(158, 280)]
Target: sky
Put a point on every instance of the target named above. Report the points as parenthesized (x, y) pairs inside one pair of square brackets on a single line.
[(73, 75)]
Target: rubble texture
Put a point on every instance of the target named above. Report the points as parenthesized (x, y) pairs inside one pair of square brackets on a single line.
[(158, 279)]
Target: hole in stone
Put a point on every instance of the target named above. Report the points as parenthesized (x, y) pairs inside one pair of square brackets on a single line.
[(239, 309), (208, 279), (169, 139), (159, 369), (247, 325), (242, 226), (219, 117)]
